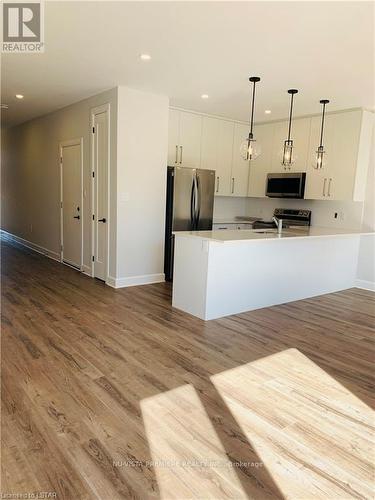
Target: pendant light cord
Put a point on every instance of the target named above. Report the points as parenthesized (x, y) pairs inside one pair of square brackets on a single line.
[(290, 117), (252, 112), (322, 127)]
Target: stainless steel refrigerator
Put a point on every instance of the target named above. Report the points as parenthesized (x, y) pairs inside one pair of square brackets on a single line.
[(190, 205)]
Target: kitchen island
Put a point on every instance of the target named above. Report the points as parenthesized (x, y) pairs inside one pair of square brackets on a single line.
[(219, 273)]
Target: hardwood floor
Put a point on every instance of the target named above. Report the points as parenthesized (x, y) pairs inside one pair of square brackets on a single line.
[(110, 394)]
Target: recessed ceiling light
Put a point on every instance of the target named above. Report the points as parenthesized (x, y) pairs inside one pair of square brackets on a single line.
[(145, 57), (204, 96), (19, 96), (268, 111)]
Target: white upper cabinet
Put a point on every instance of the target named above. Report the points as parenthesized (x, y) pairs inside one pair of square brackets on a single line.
[(216, 151), (212, 143), (318, 181), (240, 167), (184, 143), (261, 166), (190, 139), (300, 134), (347, 143), (173, 137)]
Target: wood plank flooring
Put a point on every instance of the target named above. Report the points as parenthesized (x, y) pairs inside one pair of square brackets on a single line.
[(112, 394)]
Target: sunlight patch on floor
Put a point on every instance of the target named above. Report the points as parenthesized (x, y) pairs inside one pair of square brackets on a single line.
[(189, 459), (314, 436)]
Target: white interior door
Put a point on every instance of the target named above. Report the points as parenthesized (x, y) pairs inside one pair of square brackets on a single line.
[(71, 202), (100, 179)]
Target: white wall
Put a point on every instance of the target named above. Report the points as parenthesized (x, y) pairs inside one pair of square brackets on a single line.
[(142, 147), (366, 259), (31, 174)]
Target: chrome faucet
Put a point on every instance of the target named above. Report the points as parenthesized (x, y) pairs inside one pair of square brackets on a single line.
[(279, 224)]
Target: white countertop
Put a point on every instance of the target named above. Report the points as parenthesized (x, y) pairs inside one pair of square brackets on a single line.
[(229, 236)]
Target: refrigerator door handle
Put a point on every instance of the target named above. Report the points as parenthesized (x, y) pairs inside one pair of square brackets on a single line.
[(198, 201), (192, 205)]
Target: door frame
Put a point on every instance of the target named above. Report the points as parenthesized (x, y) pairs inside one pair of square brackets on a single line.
[(97, 110), (62, 144)]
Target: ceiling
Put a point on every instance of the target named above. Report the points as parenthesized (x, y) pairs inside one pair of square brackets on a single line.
[(324, 49)]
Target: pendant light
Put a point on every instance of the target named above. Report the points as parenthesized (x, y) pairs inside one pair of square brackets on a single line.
[(250, 149), (288, 156), (320, 159)]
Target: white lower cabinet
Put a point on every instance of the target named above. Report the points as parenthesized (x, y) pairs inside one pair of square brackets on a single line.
[(232, 226)]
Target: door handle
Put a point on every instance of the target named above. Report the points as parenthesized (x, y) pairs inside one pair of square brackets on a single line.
[(232, 185), (102, 220), (329, 187), (76, 217), (176, 159), (217, 183), (324, 186), (180, 155)]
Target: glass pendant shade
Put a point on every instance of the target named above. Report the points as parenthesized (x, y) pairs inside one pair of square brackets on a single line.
[(320, 160), (250, 149), (288, 154)]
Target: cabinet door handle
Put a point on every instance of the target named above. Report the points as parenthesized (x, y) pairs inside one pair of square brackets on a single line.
[(232, 185), (180, 155), (176, 160), (217, 183), (324, 186), (329, 187)]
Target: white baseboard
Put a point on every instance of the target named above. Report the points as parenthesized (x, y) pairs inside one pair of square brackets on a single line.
[(366, 285), (32, 246), (87, 270), (146, 279)]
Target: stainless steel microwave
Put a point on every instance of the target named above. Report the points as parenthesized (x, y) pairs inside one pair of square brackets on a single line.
[(290, 185)]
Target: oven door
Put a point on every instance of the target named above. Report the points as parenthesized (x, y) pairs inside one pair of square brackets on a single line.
[(290, 185)]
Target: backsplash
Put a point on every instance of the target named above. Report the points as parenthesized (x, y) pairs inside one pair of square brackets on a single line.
[(229, 207), (349, 213)]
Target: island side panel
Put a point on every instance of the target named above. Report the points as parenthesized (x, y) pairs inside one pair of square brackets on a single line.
[(190, 275), (249, 275)]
